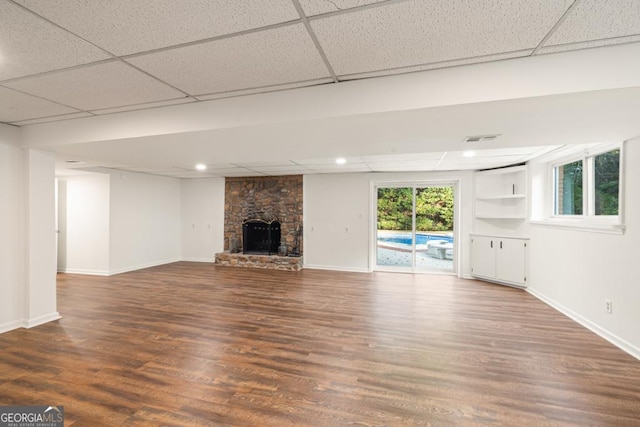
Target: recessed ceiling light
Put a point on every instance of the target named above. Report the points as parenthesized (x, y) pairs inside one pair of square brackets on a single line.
[(469, 153), (201, 167), (341, 160)]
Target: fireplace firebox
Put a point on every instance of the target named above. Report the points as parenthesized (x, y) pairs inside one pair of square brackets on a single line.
[(260, 236)]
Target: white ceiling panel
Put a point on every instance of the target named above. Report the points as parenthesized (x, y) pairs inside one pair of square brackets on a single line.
[(280, 170), (404, 165), (263, 89), (128, 26), (94, 87), (144, 106), (587, 45), (437, 65), (339, 168), (281, 55), (419, 32), (279, 163), (598, 19), (17, 106), (351, 169), (329, 162), (412, 157), (239, 173), (32, 45), (52, 119), (318, 7)]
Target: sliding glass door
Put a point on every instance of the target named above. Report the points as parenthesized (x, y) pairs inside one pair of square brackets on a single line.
[(415, 227)]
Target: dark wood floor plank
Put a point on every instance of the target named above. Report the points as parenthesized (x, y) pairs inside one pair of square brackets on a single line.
[(199, 344)]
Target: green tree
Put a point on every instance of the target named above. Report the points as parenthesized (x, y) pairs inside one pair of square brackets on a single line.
[(434, 209), (607, 182)]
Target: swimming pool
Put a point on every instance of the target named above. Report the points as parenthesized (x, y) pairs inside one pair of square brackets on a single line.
[(405, 238)]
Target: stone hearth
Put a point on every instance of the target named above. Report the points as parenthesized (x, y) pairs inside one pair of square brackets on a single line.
[(271, 262)]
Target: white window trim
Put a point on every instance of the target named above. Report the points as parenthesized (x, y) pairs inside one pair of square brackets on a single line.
[(588, 222)]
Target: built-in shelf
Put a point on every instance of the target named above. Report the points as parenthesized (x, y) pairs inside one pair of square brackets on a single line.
[(500, 194), (499, 239)]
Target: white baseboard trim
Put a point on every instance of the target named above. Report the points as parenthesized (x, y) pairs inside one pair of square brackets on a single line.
[(141, 266), (209, 260), (10, 326), (613, 339), (83, 271), (336, 268), (30, 323)]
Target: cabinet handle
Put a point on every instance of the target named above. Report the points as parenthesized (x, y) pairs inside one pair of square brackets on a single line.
[(500, 244), (492, 244)]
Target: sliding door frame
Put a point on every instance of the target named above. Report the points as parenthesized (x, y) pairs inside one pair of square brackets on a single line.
[(414, 184)]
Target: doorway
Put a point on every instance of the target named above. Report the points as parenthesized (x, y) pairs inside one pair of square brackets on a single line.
[(414, 227)]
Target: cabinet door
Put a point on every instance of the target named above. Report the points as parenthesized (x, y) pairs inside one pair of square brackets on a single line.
[(483, 256), (511, 260)]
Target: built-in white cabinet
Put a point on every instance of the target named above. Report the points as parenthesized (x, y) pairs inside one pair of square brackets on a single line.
[(500, 225), (500, 259)]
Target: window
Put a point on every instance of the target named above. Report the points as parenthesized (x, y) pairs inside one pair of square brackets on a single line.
[(588, 186), (606, 183), (568, 187)]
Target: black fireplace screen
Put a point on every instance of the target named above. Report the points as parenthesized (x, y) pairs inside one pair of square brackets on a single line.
[(260, 237)]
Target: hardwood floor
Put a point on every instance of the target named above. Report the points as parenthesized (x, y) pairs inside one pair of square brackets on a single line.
[(197, 344)]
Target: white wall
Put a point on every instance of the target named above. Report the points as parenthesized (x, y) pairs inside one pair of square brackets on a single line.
[(336, 221), (144, 221), (338, 216), (83, 224), (40, 272), (11, 229), (202, 218), (575, 271)]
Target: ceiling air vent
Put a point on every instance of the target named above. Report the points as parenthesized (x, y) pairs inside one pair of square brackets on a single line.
[(480, 138)]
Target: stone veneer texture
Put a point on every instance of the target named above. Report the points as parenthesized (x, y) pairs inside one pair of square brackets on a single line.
[(268, 198)]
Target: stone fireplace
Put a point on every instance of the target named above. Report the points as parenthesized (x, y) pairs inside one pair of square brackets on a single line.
[(262, 202), (260, 237)]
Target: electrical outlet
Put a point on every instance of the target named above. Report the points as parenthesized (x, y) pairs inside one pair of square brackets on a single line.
[(608, 306)]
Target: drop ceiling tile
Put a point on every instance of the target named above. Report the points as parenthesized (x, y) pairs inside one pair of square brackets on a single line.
[(402, 157), (404, 165), (409, 33), (220, 166), (339, 168), (144, 106), (359, 168), (17, 106), (52, 119), (597, 19), (239, 174), (127, 26), (455, 160), (277, 56), (587, 45), (492, 152), (280, 170), (278, 163), (94, 87), (231, 171), (328, 161), (318, 7), (33, 45), (437, 65), (264, 89)]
